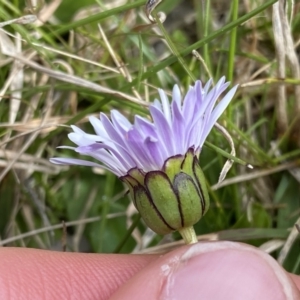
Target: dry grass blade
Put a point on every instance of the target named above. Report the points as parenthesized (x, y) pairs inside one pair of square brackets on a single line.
[(254, 175), (292, 58), (271, 246), (11, 163), (16, 85), (171, 246), (57, 226), (22, 20), (289, 243), (264, 81), (229, 162), (9, 46), (47, 12), (28, 142), (117, 60), (285, 48), (282, 117), (24, 160), (26, 129), (75, 80)]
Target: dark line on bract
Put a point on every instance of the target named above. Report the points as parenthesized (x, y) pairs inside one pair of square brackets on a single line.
[(180, 209), (201, 197), (178, 197), (157, 211), (200, 188)]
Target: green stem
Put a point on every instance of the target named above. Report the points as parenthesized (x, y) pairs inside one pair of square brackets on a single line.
[(105, 207), (98, 17), (188, 234), (232, 47), (173, 48), (128, 234), (206, 52)]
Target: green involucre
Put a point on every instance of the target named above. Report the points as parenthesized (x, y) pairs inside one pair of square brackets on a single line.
[(172, 198)]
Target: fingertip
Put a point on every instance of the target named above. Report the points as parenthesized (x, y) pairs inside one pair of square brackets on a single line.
[(215, 270), (296, 280)]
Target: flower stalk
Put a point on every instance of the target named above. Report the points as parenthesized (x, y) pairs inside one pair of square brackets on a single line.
[(189, 235)]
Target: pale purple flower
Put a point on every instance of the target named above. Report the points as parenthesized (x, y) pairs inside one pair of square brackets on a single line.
[(146, 145)]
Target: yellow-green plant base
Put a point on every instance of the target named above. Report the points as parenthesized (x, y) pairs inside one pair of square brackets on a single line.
[(188, 234)]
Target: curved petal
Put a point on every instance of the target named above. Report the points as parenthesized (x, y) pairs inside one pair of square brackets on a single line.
[(142, 156), (120, 122), (165, 105), (176, 95), (179, 129), (207, 86), (218, 111), (73, 161), (146, 145), (145, 127), (82, 139), (164, 131), (98, 127)]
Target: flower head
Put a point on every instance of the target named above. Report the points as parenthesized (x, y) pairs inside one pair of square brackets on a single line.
[(158, 159), (175, 128)]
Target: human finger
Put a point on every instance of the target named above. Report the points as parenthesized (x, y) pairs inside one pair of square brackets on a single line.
[(211, 270), (40, 274)]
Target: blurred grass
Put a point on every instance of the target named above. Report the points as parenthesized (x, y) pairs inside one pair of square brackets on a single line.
[(234, 40)]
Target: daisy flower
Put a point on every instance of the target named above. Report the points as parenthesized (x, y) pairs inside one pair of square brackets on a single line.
[(158, 158)]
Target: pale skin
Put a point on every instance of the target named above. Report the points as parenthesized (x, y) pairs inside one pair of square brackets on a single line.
[(209, 270)]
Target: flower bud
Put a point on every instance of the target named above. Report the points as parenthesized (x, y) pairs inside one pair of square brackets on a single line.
[(173, 198)]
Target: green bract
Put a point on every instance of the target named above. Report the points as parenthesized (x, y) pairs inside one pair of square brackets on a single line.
[(173, 198)]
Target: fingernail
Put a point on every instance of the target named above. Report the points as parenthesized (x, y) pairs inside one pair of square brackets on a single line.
[(225, 270)]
